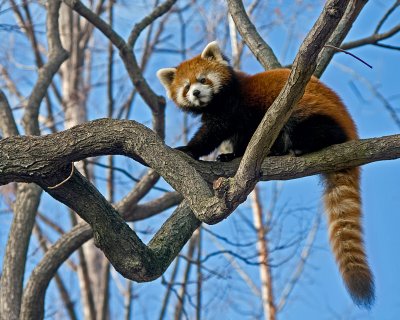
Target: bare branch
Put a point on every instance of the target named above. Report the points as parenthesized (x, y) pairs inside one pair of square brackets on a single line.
[(247, 30), (65, 297), (349, 53), (386, 15), (7, 121), (305, 253), (28, 195), (267, 292), (34, 293), (155, 103), (57, 55), (373, 39), (146, 21)]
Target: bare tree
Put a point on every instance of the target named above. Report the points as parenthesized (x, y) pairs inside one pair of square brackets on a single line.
[(81, 62)]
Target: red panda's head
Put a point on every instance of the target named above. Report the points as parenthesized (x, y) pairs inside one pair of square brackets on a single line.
[(193, 84)]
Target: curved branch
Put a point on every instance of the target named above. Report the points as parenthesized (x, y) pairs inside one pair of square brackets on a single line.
[(82, 197), (27, 159), (99, 137), (123, 248), (33, 299), (112, 137), (146, 21)]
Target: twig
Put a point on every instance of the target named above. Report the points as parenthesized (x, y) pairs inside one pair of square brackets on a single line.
[(349, 53)]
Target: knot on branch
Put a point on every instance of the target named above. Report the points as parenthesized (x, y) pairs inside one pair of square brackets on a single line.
[(222, 205), (221, 187), (97, 238)]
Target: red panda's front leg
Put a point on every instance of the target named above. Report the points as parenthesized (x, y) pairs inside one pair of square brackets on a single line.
[(209, 136)]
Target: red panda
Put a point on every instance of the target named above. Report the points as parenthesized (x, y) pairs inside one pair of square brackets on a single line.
[(232, 104)]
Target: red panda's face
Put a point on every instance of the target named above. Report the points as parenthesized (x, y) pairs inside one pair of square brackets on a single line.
[(194, 83), (195, 86)]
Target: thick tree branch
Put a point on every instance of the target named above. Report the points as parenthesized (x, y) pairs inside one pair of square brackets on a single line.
[(33, 167), (33, 298), (23, 158), (144, 263), (99, 137)]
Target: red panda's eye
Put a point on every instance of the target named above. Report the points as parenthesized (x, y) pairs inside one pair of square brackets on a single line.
[(202, 80)]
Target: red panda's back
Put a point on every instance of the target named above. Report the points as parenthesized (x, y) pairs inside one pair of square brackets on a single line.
[(260, 91)]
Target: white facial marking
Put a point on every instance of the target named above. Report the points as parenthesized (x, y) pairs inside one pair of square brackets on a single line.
[(199, 94), (180, 98), (215, 79)]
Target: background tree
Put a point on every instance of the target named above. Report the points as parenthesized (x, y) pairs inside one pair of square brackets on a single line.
[(64, 63)]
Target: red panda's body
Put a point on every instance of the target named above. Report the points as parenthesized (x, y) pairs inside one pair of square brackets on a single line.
[(232, 104)]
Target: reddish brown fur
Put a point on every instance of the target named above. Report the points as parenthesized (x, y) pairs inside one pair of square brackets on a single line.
[(342, 190), (262, 89)]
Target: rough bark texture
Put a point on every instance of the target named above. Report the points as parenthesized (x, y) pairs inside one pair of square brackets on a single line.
[(25, 158), (207, 196)]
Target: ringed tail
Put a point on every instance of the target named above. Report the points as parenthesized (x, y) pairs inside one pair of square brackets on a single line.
[(343, 207)]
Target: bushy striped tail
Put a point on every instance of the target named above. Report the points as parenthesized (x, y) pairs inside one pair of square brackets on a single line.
[(343, 207)]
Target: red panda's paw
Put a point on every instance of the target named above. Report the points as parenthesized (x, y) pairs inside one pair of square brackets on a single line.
[(226, 157)]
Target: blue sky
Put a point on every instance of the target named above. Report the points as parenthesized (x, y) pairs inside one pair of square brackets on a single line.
[(320, 293)]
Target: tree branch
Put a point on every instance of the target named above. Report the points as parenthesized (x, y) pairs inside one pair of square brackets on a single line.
[(91, 205), (7, 120), (22, 158), (28, 196), (156, 103), (57, 55), (99, 137), (261, 50), (123, 248), (373, 39)]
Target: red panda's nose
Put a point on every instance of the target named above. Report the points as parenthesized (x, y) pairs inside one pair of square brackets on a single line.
[(196, 92)]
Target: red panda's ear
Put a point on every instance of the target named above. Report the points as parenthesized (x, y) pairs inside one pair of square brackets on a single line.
[(166, 76), (213, 52)]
